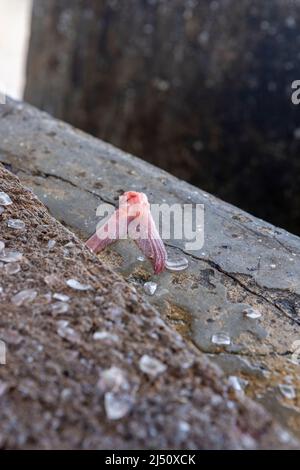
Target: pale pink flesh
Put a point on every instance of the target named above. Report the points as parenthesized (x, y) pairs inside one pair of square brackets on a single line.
[(152, 246)]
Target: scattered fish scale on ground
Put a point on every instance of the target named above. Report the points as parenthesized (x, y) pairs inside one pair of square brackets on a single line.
[(50, 390)]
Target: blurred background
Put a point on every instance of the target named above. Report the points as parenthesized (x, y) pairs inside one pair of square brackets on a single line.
[(15, 16), (201, 88)]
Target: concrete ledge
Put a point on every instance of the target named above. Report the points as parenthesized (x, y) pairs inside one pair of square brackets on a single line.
[(244, 263)]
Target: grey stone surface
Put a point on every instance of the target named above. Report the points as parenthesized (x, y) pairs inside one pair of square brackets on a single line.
[(244, 261), (63, 385), (201, 88)]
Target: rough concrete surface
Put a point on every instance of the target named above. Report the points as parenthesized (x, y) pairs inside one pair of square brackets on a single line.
[(53, 386), (244, 262)]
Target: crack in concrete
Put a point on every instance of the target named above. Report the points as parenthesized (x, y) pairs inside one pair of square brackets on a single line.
[(249, 355), (71, 183)]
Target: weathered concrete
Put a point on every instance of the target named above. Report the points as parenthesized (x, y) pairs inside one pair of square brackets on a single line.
[(50, 392), (244, 261)]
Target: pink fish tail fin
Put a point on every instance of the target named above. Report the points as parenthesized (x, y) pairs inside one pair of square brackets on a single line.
[(114, 229), (153, 247)]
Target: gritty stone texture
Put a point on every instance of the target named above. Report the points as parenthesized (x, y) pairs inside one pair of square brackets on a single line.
[(73, 173), (201, 88), (50, 391)]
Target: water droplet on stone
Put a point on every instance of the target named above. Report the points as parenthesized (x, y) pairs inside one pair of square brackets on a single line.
[(60, 307), (8, 256), (284, 436), (66, 394), (113, 379), (151, 366), (69, 245), (51, 244), (150, 288), (141, 258), (248, 441), (252, 313), (273, 266), (184, 427), (25, 296), (12, 268), (5, 199), (230, 405), (16, 224), (76, 285), (66, 332), (105, 335), (221, 339), (287, 391), (116, 406), (177, 264), (61, 297)]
